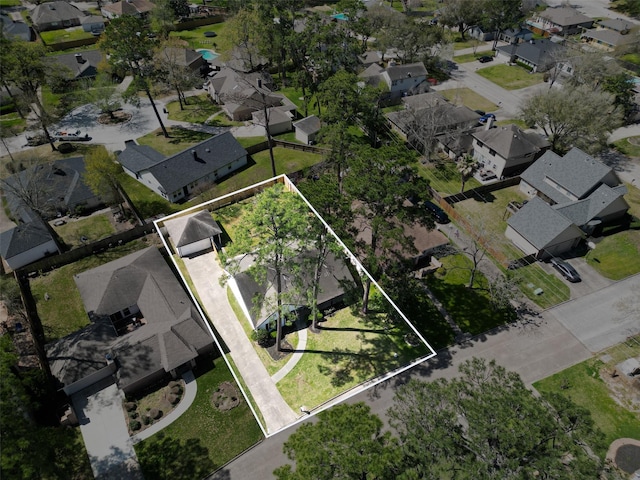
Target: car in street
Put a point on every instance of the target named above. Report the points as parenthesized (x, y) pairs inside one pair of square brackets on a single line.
[(485, 59), (436, 212), (71, 136), (566, 270), (485, 118)]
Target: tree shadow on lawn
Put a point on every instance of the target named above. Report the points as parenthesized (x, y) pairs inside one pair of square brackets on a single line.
[(471, 309), (183, 135), (172, 458)]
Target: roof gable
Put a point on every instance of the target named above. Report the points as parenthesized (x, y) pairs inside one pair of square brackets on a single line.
[(137, 158), (57, 11), (565, 16), (308, 125), (23, 238), (398, 72), (192, 228), (509, 141)]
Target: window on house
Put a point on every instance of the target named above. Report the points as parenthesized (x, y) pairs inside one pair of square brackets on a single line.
[(126, 312), (492, 152)]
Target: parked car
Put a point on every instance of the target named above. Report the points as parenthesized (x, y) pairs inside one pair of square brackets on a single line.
[(566, 270), (71, 136), (485, 118), (485, 59), (436, 212)]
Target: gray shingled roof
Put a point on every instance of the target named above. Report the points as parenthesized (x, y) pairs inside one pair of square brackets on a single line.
[(398, 72), (87, 66), (509, 141), (537, 53), (308, 125), (137, 158), (610, 37), (172, 335), (192, 228), (57, 11), (565, 16), (617, 24), (23, 238), (583, 211), (540, 224), (198, 161), (11, 28), (577, 172)]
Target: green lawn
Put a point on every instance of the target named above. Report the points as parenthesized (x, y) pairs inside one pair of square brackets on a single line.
[(146, 201), (350, 349), (288, 137), (203, 438), (179, 139), (66, 35), (510, 77), (9, 3), (471, 309), (196, 39), (470, 57), (198, 109), (64, 312), (583, 383), (515, 121), (629, 146), (617, 256), (444, 177), (631, 58), (93, 228), (468, 98)]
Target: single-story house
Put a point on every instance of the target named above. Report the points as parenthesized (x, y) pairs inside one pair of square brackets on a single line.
[(178, 176), (55, 16), (307, 129), (559, 21), (537, 54), (481, 33), (507, 150), (279, 119), (516, 35), (405, 79), (194, 233), (143, 327), (185, 57), (241, 94), (27, 243), (258, 299), (429, 114), (16, 30), (93, 24), (137, 8), (80, 65), (570, 196), (609, 33), (54, 188)]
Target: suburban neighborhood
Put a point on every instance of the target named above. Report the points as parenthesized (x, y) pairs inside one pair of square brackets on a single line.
[(300, 239)]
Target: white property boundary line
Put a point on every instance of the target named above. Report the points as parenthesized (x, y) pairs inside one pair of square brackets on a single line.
[(243, 194)]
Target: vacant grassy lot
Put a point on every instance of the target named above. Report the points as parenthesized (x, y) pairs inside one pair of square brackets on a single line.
[(349, 349), (468, 98), (470, 57), (629, 146), (64, 312), (444, 177), (470, 308), (590, 385), (93, 228), (179, 139), (198, 109), (510, 77), (204, 437)]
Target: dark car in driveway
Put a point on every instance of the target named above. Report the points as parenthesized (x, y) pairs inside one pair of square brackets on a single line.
[(566, 270), (485, 59), (436, 212)]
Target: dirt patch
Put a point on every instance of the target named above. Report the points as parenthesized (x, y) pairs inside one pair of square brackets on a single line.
[(116, 118), (279, 355), (625, 391), (225, 397)]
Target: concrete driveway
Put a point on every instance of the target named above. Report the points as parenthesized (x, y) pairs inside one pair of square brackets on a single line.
[(591, 281), (104, 430)]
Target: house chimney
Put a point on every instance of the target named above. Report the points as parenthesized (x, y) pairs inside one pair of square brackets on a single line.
[(259, 83), (195, 155), (489, 123), (79, 58)]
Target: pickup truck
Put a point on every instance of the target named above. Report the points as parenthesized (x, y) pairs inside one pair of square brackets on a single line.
[(72, 136)]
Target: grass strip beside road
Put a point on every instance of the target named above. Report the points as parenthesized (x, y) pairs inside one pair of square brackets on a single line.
[(510, 77), (468, 98)]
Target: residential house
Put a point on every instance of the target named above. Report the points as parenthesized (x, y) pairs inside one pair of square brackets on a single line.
[(244, 60), (15, 30), (257, 299), (372, 74), (241, 94), (136, 8), (539, 55), (427, 115), (506, 151), (570, 196), (194, 233), (80, 65), (609, 34), (93, 24), (279, 119), (563, 21), (405, 79), (178, 176), (516, 35), (55, 16), (185, 57), (143, 327), (370, 57), (481, 33), (27, 243), (307, 129)]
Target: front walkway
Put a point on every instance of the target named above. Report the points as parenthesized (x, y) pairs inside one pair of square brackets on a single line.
[(205, 273)]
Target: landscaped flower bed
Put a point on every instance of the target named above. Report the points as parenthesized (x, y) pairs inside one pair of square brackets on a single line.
[(145, 411)]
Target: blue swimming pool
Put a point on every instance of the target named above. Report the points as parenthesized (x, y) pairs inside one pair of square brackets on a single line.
[(340, 16), (208, 55)]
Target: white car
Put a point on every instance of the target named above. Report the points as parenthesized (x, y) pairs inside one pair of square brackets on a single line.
[(71, 136)]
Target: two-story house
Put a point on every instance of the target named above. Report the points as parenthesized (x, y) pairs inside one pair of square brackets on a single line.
[(559, 21)]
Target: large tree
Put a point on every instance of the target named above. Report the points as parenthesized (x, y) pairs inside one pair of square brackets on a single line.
[(274, 231), (347, 442), (462, 14), (101, 175), (486, 424), (380, 182), (130, 47), (573, 117), (171, 70)]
